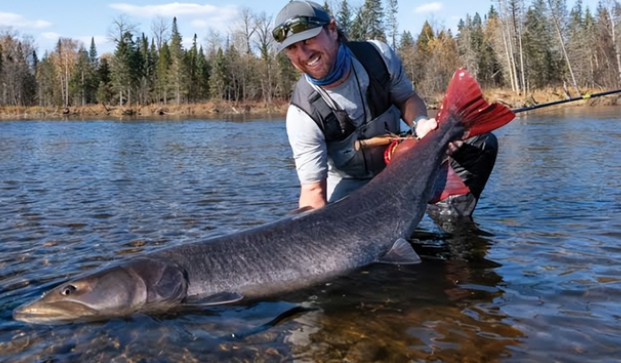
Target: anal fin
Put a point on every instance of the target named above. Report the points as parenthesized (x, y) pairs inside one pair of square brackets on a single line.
[(401, 253)]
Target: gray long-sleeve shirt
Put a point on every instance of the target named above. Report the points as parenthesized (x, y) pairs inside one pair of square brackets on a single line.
[(306, 138)]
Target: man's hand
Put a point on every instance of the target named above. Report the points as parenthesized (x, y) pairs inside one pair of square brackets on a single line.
[(453, 146), (313, 195), (424, 126)]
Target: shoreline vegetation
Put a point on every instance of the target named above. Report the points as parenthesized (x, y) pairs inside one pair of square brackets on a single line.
[(521, 59), (277, 109)]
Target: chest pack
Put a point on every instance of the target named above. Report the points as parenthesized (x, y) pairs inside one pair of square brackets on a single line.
[(335, 124)]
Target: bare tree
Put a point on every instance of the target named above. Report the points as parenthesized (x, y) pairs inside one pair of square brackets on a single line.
[(17, 69), (243, 30), (120, 26), (64, 59), (558, 12), (160, 31), (265, 43), (393, 25), (613, 11), (507, 35), (214, 42)]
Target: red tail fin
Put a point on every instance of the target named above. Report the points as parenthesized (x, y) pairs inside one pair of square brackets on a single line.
[(464, 100)]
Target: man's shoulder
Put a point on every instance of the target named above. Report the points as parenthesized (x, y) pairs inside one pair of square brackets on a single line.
[(381, 47), (303, 93), (371, 55), (390, 59), (300, 126)]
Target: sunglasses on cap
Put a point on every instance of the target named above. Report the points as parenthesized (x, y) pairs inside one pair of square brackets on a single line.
[(296, 25)]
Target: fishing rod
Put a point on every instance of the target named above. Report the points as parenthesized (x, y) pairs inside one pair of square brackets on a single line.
[(583, 97), (388, 138)]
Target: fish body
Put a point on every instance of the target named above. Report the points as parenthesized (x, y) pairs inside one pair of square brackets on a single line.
[(370, 225)]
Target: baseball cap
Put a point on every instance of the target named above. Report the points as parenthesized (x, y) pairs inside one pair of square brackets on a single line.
[(297, 21)]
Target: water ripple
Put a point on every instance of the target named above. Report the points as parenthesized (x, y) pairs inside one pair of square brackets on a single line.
[(538, 282)]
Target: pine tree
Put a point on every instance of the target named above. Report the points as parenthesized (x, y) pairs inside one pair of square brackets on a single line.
[(344, 18), (153, 62), (286, 77), (373, 10), (218, 81), (590, 39), (359, 26), (326, 7), (23, 75), (105, 89), (393, 25), (202, 75), (80, 77), (406, 52), (164, 63), (178, 69), (191, 61), (126, 68), (92, 54), (541, 52), (147, 80)]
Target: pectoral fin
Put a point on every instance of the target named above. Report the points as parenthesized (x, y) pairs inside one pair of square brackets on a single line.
[(401, 253), (220, 298)]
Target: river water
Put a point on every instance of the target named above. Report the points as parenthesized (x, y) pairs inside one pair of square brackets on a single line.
[(540, 281)]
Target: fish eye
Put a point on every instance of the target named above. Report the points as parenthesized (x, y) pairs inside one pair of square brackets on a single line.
[(68, 290)]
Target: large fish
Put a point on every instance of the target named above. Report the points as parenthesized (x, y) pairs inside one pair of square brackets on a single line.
[(368, 226)]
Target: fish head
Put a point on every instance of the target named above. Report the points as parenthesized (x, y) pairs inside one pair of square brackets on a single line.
[(140, 285)]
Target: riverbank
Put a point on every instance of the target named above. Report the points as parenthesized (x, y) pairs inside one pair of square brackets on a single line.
[(205, 109), (277, 108)]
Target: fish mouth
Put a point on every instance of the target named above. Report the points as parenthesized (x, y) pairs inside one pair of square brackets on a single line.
[(38, 312)]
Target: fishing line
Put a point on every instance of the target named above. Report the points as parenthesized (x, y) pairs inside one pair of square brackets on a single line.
[(583, 97)]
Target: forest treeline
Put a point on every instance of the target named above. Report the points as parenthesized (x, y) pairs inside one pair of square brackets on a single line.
[(518, 45)]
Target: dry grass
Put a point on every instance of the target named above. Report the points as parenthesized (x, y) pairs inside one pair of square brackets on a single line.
[(277, 108), (206, 109), (536, 97), (516, 100)]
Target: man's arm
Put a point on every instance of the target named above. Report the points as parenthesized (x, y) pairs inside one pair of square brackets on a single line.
[(412, 107), (310, 155), (414, 110), (313, 195)]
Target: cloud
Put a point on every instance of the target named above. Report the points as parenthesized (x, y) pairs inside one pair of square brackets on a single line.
[(48, 41), (18, 21), (175, 9), (200, 17), (428, 8), (50, 35)]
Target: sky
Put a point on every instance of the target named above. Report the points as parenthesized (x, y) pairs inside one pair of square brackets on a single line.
[(47, 20)]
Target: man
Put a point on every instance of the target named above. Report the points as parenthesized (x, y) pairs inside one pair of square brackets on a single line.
[(346, 109)]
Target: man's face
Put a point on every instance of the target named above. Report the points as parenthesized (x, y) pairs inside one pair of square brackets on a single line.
[(316, 56)]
